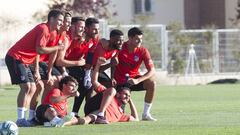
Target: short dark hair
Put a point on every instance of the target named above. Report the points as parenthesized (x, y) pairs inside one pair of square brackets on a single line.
[(65, 80), (67, 14), (76, 19), (89, 21), (122, 87), (54, 13), (134, 31), (116, 32)]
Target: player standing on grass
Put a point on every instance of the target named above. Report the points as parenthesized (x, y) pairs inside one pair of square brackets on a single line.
[(24, 53), (44, 79), (130, 59)]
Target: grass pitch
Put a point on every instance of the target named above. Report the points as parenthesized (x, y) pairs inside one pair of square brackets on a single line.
[(180, 110)]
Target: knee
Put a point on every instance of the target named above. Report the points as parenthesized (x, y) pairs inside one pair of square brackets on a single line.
[(111, 91), (150, 84)]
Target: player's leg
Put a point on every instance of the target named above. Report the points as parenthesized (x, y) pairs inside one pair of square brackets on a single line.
[(21, 75), (107, 98), (150, 87), (78, 73)]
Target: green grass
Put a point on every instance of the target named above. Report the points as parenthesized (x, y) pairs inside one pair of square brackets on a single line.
[(180, 110)]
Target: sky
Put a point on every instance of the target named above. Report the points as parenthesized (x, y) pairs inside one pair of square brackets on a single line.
[(21, 8)]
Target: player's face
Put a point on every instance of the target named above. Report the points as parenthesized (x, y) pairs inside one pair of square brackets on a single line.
[(117, 42), (69, 87), (92, 31), (66, 23), (136, 40), (79, 28), (124, 96), (57, 22)]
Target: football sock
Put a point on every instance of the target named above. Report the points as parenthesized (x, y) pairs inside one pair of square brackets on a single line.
[(31, 114), (147, 107), (21, 111), (101, 114)]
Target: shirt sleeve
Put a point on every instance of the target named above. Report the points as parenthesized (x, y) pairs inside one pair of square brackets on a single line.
[(55, 92), (147, 59), (43, 37)]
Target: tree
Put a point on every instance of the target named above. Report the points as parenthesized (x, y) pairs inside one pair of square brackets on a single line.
[(96, 8)]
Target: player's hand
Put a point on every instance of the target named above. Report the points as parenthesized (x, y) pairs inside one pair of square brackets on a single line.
[(81, 61), (37, 77), (133, 81), (87, 83), (75, 94), (114, 82), (101, 61), (60, 47), (50, 80), (114, 61)]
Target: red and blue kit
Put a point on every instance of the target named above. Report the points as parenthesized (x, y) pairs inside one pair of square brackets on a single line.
[(114, 111), (25, 49), (130, 62), (102, 52), (60, 107), (77, 49)]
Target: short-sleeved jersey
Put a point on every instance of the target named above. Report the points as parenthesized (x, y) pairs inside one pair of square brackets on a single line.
[(60, 107), (93, 46), (114, 112), (102, 52), (25, 49), (55, 40), (130, 62), (78, 49)]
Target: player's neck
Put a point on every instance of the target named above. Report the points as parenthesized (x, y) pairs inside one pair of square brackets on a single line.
[(130, 47)]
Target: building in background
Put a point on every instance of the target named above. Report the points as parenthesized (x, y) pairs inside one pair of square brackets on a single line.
[(193, 14)]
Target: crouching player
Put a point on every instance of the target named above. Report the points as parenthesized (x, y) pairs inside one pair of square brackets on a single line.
[(107, 103), (53, 111)]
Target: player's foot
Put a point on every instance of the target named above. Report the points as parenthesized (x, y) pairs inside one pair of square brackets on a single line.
[(101, 120), (33, 122), (148, 117), (23, 123), (93, 118)]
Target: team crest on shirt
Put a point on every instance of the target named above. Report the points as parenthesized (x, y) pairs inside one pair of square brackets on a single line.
[(136, 58), (62, 107)]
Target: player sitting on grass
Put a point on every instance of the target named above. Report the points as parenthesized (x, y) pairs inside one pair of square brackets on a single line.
[(53, 111), (107, 103)]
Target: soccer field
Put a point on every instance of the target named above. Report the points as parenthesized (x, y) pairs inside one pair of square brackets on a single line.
[(180, 110)]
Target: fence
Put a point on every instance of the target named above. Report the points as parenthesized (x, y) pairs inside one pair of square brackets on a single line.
[(217, 51)]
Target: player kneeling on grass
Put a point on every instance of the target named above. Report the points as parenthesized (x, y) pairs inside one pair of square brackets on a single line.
[(107, 102), (53, 111)]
